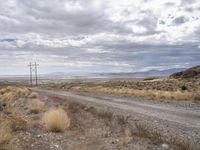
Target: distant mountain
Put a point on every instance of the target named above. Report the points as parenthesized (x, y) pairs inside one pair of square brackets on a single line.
[(150, 73)]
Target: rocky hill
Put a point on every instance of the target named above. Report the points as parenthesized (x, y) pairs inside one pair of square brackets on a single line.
[(193, 72)]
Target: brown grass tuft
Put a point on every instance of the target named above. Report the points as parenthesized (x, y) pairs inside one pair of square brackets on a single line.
[(8, 96), (196, 97), (22, 91), (2, 91), (12, 93), (56, 120), (33, 95), (35, 106)]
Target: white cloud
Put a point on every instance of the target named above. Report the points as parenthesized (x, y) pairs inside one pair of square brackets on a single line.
[(72, 6)]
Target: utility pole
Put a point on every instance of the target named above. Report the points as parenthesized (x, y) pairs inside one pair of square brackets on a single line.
[(33, 67), (36, 77), (30, 65)]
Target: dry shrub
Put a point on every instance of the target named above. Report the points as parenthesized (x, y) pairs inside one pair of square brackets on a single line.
[(2, 91), (105, 115), (16, 122), (10, 118), (178, 95), (8, 96), (11, 93), (35, 106), (8, 125), (196, 97), (56, 120), (147, 132), (154, 94), (5, 136), (9, 88), (33, 95), (22, 91)]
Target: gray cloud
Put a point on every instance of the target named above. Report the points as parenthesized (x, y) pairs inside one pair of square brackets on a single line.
[(98, 36), (179, 20)]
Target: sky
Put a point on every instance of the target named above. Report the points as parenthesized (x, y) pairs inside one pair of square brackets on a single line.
[(86, 36)]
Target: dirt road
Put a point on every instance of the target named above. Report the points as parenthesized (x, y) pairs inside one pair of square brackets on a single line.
[(184, 116)]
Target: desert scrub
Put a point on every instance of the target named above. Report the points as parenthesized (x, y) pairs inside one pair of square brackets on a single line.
[(12, 93), (35, 106), (5, 136), (196, 97), (9, 124), (33, 95), (8, 96), (22, 91), (56, 120)]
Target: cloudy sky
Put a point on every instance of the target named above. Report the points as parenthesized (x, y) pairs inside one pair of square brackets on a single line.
[(98, 35)]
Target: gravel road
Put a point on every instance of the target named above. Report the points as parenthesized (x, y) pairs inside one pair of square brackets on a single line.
[(172, 118), (179, 114)]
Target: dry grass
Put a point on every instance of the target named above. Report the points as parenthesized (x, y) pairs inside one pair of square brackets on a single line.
[(2, 91), (5, 136), (16, 122), (11, 93), (10, 117), (154, 94), (182, 95), (197, 97), (33, 95), (106, 115), (36, 106), (8, 96), (22, 91), (145, 131), (153, 88), (9, 124), (56, 120), (180, 142)]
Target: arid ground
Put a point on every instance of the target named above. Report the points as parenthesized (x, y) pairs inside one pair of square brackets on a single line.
[(153, 113), (26, 124)]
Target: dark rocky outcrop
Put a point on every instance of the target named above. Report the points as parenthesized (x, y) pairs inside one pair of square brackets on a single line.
[(193, 72)]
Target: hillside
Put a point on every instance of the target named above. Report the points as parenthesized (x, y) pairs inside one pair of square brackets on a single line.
[(193, 72)]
